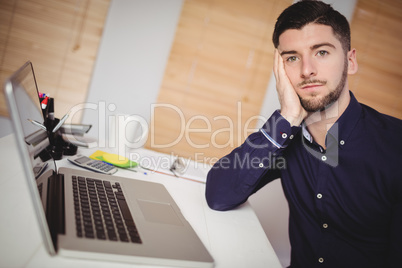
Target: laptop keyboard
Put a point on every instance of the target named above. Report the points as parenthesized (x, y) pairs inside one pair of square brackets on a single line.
[(101, 211)]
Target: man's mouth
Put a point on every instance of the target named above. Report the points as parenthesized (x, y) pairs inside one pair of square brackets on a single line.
[(309, 84)]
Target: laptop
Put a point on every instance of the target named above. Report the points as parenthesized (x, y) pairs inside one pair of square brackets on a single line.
[(83, 214)]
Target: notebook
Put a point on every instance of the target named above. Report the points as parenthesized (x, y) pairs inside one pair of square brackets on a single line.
[(89, 215)]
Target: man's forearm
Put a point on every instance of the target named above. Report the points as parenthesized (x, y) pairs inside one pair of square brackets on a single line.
[(257, 161)]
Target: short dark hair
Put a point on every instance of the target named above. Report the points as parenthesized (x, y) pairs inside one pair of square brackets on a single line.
[(304, 12)]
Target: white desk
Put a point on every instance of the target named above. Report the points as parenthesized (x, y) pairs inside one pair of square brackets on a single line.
[(234, 238)]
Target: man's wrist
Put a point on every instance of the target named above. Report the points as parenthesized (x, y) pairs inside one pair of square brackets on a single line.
[(279, 131), (294, 121)]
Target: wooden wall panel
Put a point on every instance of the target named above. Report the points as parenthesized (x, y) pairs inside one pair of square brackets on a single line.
[(216, 77), (377, 35), (61, 39)]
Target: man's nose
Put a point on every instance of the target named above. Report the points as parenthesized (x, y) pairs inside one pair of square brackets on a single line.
[(308, 68)]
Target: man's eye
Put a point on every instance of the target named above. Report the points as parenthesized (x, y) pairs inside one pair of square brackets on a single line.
[(291, 59), (322, 53)]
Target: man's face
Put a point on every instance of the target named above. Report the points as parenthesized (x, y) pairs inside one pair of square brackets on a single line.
[(315, 63)]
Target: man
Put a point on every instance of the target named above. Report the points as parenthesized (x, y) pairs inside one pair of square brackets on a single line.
[(340, 161)]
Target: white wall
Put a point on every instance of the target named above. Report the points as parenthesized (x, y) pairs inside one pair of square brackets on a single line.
[(133, 53)]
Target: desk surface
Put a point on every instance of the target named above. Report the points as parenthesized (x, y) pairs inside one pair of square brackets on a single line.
[(234, 238)]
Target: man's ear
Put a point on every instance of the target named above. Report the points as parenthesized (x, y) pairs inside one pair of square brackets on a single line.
[(352, 61)]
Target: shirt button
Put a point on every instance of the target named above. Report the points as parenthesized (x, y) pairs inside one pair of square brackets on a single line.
[(325, 226), (324, 158), (319, 196), (291, 137), (342, 142), (284, 135), (261, 165), (321, 260)]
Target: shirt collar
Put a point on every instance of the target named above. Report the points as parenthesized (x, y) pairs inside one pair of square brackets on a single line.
[(345, 124), (306, 134)]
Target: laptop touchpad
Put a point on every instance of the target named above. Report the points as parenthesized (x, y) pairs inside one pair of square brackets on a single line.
[(159, 212)]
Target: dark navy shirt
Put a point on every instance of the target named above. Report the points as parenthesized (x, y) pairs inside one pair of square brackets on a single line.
[(345, 202)]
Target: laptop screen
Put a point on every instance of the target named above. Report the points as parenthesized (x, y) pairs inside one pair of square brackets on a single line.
[(26, 115), (25, 95)]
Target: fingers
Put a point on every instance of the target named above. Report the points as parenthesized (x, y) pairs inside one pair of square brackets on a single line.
[(279, 70), (276, 62), (282, 80)]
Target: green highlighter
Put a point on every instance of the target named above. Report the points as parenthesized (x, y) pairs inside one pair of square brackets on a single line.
[(114, 159)]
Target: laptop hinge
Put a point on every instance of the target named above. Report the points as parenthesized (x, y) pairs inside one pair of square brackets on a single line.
[(55, 213)]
